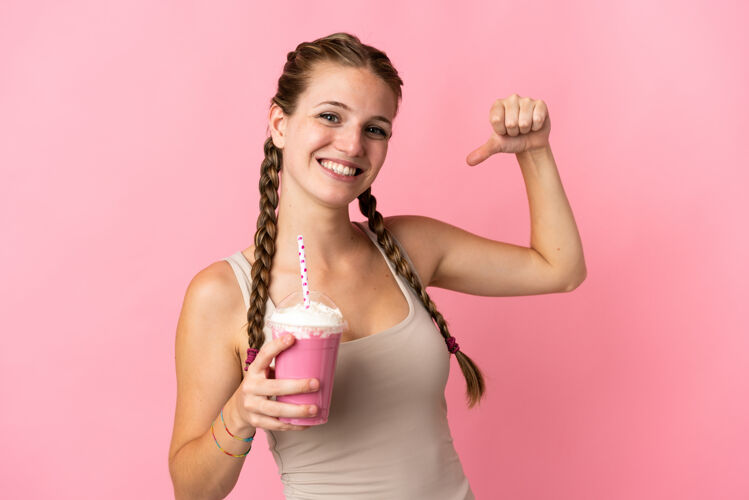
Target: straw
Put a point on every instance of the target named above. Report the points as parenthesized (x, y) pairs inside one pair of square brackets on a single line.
[(303, 270)]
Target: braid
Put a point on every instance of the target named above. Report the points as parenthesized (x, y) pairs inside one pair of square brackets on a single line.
[(265, 244), (471, 372)]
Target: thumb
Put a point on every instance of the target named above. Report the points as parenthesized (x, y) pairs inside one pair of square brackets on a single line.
[(480, 154)]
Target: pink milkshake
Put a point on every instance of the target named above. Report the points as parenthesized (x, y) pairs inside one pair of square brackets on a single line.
[(318, 329)]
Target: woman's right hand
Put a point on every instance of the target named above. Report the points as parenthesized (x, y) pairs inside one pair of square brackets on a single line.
[(251, 404)]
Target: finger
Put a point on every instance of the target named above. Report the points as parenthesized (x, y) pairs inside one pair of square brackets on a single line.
[(269, 351), (525, 116), (277, 409), (497, 118), (284, 387), (480, 154), (512, 111), (539, 115), (273, 424)]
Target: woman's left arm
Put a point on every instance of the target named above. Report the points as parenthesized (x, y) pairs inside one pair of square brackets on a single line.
[(452, 258)]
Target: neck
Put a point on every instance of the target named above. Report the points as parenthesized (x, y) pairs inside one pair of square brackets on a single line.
[(328, 234)]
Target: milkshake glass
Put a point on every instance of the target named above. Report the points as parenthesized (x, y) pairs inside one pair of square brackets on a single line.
[(318, 330)]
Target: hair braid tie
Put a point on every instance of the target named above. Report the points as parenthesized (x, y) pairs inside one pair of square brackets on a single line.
[(251, 354), (452, 345)]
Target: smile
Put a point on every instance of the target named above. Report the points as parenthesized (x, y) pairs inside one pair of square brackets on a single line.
[(339, 169)]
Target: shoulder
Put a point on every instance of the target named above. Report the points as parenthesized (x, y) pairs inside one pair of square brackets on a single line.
[(421, 237), (214, 288), (412, 227), (213, 308)]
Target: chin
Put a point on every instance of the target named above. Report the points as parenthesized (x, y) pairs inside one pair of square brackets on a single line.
[(337, 202)]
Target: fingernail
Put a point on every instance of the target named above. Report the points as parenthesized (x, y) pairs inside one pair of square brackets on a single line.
[(287, 339), (314, 384), (312, 410)]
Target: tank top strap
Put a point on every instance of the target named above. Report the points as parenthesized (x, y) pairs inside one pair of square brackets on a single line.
[(373, 237), (242, 271)]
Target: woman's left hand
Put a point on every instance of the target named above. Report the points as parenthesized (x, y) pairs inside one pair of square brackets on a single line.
[(518, 124)]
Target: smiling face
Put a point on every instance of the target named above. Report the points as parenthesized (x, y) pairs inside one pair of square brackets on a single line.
[(335, 142)]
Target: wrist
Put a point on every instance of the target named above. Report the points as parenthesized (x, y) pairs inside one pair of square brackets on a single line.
[(534, 155), (536, 162), (234, 421)]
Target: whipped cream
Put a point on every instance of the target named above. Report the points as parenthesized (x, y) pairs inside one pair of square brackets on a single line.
[(318, 320)]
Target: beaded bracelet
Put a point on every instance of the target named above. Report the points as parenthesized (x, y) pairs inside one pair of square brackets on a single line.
[(220, 448), (244, 440)]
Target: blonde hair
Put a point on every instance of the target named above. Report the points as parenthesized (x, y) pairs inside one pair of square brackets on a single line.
[(347, 50)]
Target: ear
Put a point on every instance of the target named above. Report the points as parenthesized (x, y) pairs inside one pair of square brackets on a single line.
[(277, 125)]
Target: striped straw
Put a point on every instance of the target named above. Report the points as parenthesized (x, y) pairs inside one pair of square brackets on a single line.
[(303, 270)]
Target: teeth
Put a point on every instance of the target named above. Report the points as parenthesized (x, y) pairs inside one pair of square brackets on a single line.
[(338, 168)]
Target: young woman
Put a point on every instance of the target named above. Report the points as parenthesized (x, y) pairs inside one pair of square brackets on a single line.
[(387, 435)]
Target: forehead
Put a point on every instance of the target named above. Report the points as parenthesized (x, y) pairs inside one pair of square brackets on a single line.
[(358, 88)]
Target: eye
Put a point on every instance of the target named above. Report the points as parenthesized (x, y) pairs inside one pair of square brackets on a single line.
[(329, 117), (377, 131)]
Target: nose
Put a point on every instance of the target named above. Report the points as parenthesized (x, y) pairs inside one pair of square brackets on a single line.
[(349, 141)]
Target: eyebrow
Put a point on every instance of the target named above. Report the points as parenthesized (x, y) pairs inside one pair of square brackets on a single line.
[(341, 105)]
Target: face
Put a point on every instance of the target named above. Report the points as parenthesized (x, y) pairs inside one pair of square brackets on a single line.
[(335, 142)]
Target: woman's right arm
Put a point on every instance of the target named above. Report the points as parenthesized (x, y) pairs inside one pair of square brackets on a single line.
[(209, 378)]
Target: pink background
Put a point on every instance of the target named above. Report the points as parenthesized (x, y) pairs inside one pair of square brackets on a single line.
[(130, 142)]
